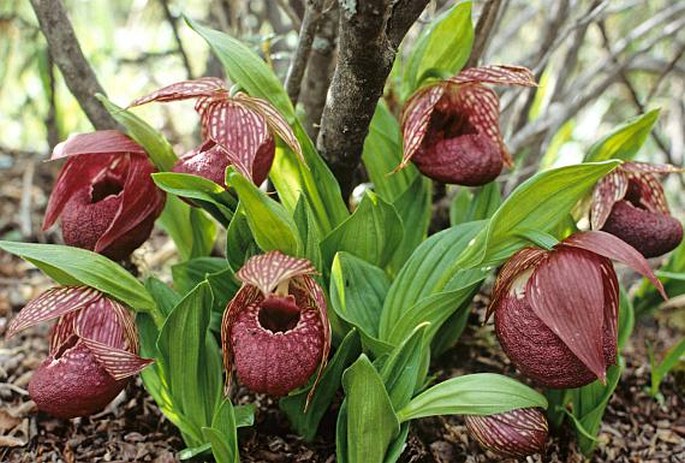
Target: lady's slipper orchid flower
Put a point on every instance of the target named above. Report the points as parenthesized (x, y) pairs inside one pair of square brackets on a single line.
[(514, 434), (93, 350), (275, 330), (630, 203), (451, 128), (104, 195), (238, 130), (556, 311)]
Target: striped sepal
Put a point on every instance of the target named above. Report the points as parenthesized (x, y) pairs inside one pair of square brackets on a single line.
[(204, 86), (117, 362), (517, 433), (53, 303), (496, 74), (268, 270)]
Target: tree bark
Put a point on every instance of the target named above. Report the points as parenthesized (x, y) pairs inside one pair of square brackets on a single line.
[(67, 55), (370, 33)]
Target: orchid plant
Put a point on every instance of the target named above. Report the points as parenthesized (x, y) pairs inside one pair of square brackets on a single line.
[(311, 298)]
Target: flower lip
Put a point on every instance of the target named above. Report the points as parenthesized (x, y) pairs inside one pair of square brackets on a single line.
[(279, 314), (467, 95), (105, 187), (572, 292)]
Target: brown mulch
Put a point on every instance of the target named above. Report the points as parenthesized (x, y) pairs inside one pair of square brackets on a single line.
[(636, 428)]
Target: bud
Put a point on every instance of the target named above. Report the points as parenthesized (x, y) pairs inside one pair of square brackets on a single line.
[(451, 128), (238, 130), (104, 194), (513, 434), (93, 350), (556, 311), (630, 203), (275, 330)]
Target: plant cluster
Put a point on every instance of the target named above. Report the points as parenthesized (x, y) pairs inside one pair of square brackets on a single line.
[(311, 298)]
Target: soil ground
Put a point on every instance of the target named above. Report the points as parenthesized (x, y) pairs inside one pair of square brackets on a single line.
[(636, 428)]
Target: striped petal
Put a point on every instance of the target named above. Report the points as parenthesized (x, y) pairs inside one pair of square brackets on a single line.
[(119, 363), (236, 129), (525, 259), (566, 291), (53, 303), (98, 142), (268, 270), (141, 201), (108, 322), (496, 75), (482, 107), (611, 247), (648, 191), (274, 120), (416, 117), (204, 86), (607, 192)]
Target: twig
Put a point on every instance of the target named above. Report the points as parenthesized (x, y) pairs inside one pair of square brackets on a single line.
[(319, 73), (173, 22), (67, 54), (51, 116), (484, 28), (298, 64), (635, 98), (370, 33), (290, 13)]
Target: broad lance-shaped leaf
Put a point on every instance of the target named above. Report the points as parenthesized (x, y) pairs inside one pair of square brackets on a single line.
[(561, 285), (73, 266), (53, 303), (272, 227), (475, 394), (624, 141), (611, 247), (371, 420)]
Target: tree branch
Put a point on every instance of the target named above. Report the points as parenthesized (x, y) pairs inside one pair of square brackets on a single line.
[(172, 20), (319, 73), (298, 64), (67, 55), (484, 27), (370, 32)]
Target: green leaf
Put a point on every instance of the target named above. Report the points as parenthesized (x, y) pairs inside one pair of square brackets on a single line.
[(588, 404), (289, 176), (624, 141), (437, 308), (222, 434), (73, 266), (402, 373), (192, 232), (192, 358), (156, 146), (670, 360), (475, 394), (307, 423), (414, 208), (482, 203), (626, 317), (371, 421), (244, 415), (240, 244), (309, 231), (189, 274), (383, 153), (207, 194), (443, 49), (271, 225), (357, 292), (427, 272), (540, 203), (165, 297), (372, 233)]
